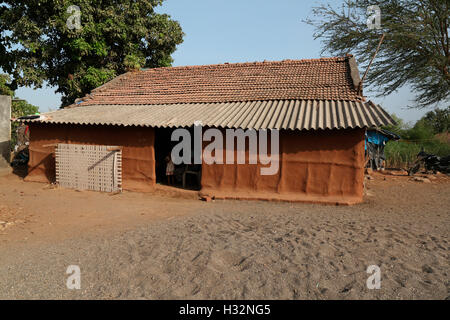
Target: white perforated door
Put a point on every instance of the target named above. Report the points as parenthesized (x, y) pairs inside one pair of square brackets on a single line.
[(89, 167)]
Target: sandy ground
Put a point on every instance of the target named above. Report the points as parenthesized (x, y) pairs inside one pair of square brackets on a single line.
[(160, 247)]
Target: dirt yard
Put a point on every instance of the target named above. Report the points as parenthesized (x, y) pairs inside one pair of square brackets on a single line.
[(159, 246)]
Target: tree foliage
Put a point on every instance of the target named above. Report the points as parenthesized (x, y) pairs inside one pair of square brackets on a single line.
[(399, 127), (19, 107), (426, 128), (415, 50), (37, 44), (5, 89), (438, 120)]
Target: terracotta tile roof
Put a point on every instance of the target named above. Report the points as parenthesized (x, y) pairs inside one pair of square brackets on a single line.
[(315, 79)]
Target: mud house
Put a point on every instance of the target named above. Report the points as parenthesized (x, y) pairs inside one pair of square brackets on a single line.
[(317, 105)]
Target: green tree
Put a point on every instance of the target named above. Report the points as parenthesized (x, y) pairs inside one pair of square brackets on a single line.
[(5, 89), (438, 119), (400, 127), (421, 131), (415, 50), (40, 41)]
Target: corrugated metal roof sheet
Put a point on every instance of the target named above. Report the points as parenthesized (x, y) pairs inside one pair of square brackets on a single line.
[(277, 114)]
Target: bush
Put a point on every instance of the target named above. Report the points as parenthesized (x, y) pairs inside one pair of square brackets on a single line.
[(401, 154), (420, 132), (429, 133)]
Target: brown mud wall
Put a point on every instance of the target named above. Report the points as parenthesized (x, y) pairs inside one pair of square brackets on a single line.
[(324, 166), (138, 154)]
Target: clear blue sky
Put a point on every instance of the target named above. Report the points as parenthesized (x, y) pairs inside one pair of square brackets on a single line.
[(219, 31)]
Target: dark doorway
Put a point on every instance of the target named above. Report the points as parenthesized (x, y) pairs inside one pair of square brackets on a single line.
[(186, 176)]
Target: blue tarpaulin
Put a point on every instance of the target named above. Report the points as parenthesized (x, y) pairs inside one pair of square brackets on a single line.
[(376, 138), (374, 145), (379, 137)]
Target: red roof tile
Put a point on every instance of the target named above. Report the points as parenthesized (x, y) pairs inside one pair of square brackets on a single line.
[(320, 79)]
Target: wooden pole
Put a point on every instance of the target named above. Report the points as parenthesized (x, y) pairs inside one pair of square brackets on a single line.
[(50, 145), (370, 63)]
